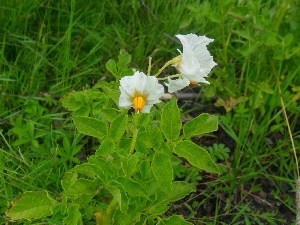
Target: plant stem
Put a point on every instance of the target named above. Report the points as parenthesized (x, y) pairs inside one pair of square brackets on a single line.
[(109, 211), (135, 132), (99, 218), (104, 218), (170, 62), (172, 76)]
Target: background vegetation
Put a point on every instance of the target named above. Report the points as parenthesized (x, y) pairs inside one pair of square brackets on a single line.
[(49, 48)]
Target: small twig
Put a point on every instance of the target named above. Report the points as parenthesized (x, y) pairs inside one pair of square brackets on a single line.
[(149, 66), (149, 10), (258, 198), (181, 96), (172, 38), (296, 159), (290, 132)]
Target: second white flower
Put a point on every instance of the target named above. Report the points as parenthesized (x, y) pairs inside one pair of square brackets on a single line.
[(194, 63)]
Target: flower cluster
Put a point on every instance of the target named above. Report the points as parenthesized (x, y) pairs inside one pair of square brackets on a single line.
[(193, 64)]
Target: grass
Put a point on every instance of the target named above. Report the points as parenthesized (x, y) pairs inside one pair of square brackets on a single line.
[(50, 48)]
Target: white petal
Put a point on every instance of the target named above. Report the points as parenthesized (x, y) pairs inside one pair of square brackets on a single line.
[(146, 109), (202, 80), (157, 90), (193, 41), (178, 84), (189, 66), (198, 76), (125, 99), (125, 103), (139, 82), (126, 84)]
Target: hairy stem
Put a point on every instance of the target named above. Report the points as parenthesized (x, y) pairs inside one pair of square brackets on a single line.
[(104, 218), (134, 132), (171, 62)]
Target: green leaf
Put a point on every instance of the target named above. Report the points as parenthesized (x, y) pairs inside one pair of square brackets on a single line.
[(146, 118), (124, 60), (202, 124), (84, 199), (83, 186), (154, 136), (110, 89), (288, 39), (73, 100), (31, 205), (100, 163), (244, 34), (174, 220), (179, 189), (107, 147), (68, 180), (119, 195), (271, 39), (21, 141), (81, 102), (30, 128), (143, 143), (170, 120), (90, 126), (109, 114), (75, 187), (120, 68), (82, 111), (111, 66), (145, 170), (196, 156), (93, 168), (215, 17), (129, 218), (162, 170), (118, 127), (247, 50), (122, 189), (240, 12), (74, 216), (132, 187), (129, 165)]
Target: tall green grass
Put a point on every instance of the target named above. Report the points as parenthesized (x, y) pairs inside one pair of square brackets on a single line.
[(49, 48)]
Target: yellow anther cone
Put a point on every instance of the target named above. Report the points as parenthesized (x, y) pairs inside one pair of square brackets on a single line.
[(139, 103)]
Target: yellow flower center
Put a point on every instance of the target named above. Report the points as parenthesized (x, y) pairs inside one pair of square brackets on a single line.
[(139, 103), (192, 83)]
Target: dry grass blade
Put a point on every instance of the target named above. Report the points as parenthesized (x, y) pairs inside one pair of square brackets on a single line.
[(296, 159)]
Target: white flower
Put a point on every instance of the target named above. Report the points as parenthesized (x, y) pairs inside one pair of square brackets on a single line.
[(194, 63), (140, 92), (177, 84)]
